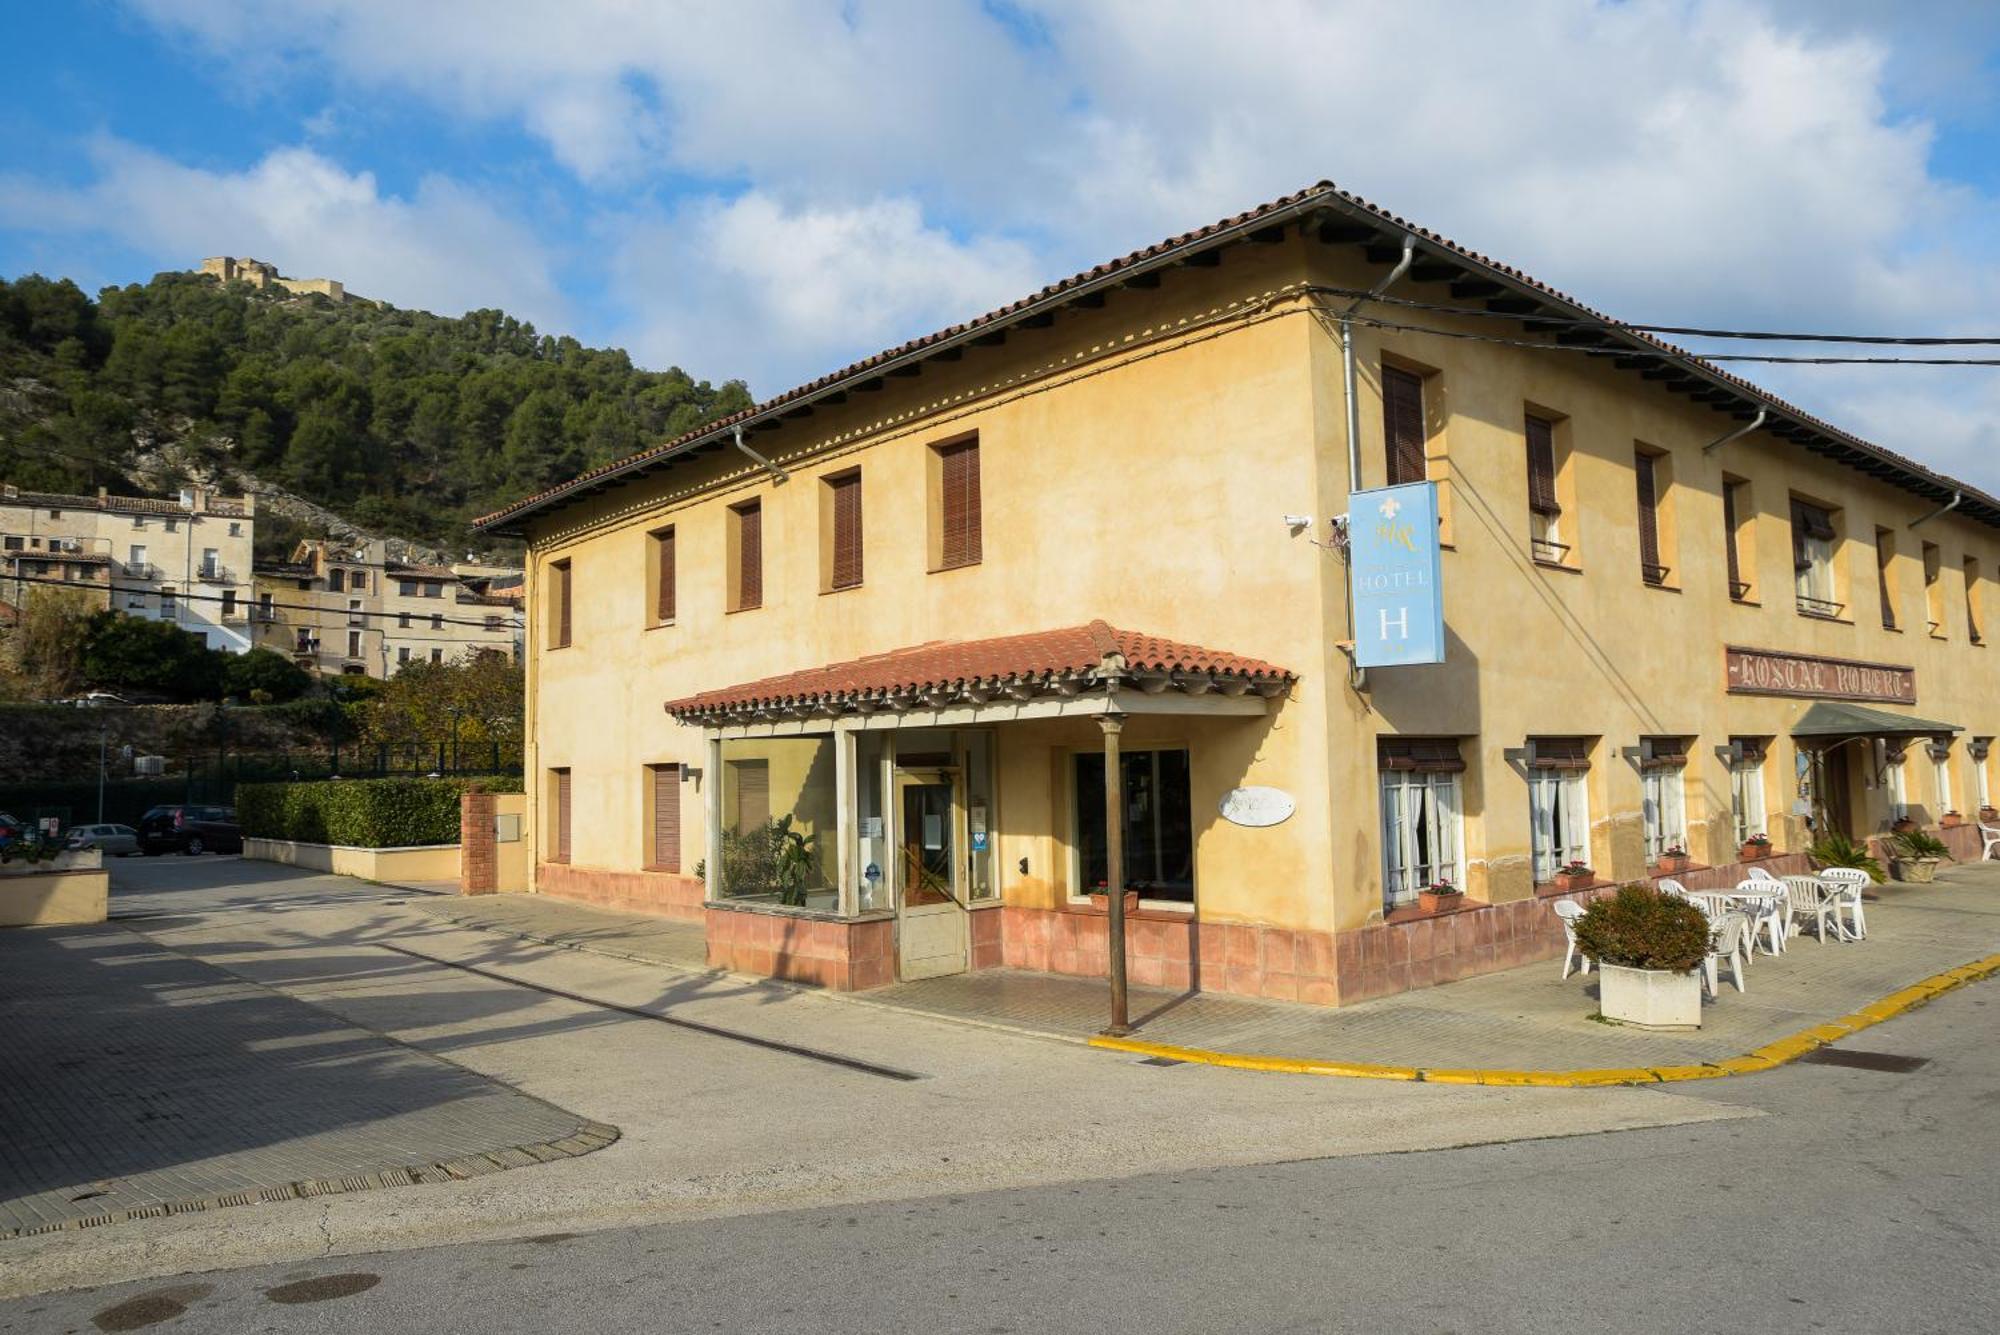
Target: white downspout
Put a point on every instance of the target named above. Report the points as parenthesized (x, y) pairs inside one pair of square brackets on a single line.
[(1945, 509), (1763, 415), (757, 458)]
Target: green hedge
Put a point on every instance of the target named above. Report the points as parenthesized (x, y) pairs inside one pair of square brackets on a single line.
[(363, 813)]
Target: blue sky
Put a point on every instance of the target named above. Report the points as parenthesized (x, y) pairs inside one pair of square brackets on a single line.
[(770, 190)]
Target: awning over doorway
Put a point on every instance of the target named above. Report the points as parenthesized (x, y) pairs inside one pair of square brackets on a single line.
[(1014, 675), (1829, 721)]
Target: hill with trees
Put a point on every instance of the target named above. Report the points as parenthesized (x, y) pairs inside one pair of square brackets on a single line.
[(400, 422)]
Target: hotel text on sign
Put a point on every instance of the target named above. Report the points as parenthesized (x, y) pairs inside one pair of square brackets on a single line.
[(1392, 545), (1755, 672)]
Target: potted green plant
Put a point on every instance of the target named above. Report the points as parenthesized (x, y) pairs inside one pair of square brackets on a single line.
[(1649, 949), (1755, 848), (1439, 897), (1914, 856), (1673, 860), (1835, 849), (1100, 899), (1574, 875)]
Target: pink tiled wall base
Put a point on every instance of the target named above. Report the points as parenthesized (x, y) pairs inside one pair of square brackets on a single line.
[(668, 894), (843, 956)]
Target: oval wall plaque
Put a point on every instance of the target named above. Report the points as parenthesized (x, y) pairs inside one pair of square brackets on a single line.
[(1256, 806)]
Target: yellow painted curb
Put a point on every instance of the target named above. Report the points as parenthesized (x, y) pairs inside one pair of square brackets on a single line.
[(1767, 1058)]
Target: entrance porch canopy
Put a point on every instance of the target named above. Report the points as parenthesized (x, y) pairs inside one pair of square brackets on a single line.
[(1829, 724), (1094, 669)]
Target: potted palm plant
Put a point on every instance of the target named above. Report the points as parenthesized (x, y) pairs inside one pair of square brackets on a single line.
[(1439, 897), (1649, 948), (1755, 848), (1835, 849), (1914, 856)]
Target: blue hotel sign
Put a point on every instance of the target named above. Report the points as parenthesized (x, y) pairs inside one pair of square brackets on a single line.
[(1392, 536)]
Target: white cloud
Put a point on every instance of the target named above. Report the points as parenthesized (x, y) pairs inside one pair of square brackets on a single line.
[(444, 248)]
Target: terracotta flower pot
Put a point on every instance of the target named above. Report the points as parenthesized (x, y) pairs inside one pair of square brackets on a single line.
[(1989, 814), (1951, 820), (1439, 901), (1753, 852), (1671, 865), (1101, 901), (1902, 826), (1567, 881)]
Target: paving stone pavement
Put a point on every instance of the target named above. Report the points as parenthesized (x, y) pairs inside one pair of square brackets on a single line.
[(135, 1080), (1525, 1019)]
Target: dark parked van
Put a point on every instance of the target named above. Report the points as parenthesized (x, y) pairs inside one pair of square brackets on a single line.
[(190, 829)]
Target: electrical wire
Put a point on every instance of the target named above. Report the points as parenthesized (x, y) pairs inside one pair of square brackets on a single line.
[(1378, 322), (249, 606)]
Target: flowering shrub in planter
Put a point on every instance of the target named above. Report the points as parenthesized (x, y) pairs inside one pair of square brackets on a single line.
[(1439, 896), (1574, 876), (1755, 847), (1674, 860)]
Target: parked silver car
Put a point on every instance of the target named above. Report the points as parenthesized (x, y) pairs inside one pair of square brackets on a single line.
[(117, 840)]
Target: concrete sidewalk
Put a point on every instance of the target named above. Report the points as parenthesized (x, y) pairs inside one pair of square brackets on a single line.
[(1523, 1019)]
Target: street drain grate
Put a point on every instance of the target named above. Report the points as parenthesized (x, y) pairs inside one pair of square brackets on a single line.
[(1161, 1061), (1865, 1061)]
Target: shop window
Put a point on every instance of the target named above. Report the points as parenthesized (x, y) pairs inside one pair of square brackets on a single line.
[(1547, 539), (559, 605), (1423, 820), (1663, 795), (1813, 539), (1973, 590), (840, 531), (956, 512), (1159, 825), (664, 793), (746, 556), (778, 822), (1934, 590), (1885, 561), (1559, 803), (559, 815), (1403, 432), (1940, 758), (661, 575), (1746, 787)]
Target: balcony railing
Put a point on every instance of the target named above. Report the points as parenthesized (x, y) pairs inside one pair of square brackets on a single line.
[(1824, 608), (1549, 553), (214, 574), (140, 570), (1655, 575)]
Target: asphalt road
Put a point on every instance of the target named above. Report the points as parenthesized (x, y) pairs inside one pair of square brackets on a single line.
[(1863, 1201)]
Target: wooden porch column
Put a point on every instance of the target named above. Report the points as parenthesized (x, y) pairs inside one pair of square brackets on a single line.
[(1114, 870)]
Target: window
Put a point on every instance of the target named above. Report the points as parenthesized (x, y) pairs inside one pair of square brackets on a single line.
[(266, 611), (1812, 560), (135, 601), (1559, 803), (229, 602), (402, 655), (956, 515), (138, 521), (303, 641), (1403, 426), (559, 825), (1544, 512), (660, 570), (750, 783), (407, 588), (1885, 558), (437, 655), (746, 556), (336, 580), (1663, 789), (167, 607), (558, 605), (437, 621), (1972, 591), (841, 523), (402, 621), (173, 525), (665, 784), (135, 561), (1645, 469), (1934, 590), (236, 530), (779, 843), (1422, 815), (1746, 787), (1982, 793), (492, 621), (55, 514), (434, 588), (354, 644), (1159, 825), (354, 616), (1940, 756), (211, 563)]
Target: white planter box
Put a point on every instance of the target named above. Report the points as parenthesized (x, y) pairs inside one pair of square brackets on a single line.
[(1649, 998), (1916, 871)]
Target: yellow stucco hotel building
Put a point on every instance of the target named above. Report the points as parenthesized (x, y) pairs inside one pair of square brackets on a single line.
[(837, 675)]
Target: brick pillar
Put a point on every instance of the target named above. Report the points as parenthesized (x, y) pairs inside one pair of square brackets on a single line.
[(478, 856)]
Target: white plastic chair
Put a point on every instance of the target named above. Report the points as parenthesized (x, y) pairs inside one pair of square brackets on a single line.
[(1810, 898), (1726, 941), (1759, 874), (1765, 903), (1991, 834), (1848, 884), (1569, 912), (1669, 886)]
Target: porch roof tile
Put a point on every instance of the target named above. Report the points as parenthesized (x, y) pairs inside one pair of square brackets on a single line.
[(1036, 658)]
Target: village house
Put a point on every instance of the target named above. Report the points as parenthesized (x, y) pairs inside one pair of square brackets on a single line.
[(846, 676)]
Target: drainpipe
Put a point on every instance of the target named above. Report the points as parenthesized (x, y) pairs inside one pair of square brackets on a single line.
[(757, 458), (1944, 509), (1763, 414), (1358, 677)]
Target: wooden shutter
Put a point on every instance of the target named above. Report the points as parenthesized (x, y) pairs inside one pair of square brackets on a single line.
[(1882, 556), (750, 555), (667, 817), (665, 604), (1750, 748), (1403, 425), (846, 530), (1736, 589), (1808, 521), (1563, 753), (562, 816), (958, 503), (1424, 755), (753, 794), (1542, 467), (559, 590), (1649, 520), (1665, 753)]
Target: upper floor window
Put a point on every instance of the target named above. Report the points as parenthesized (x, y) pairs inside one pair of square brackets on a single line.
[(1422, 815), (1812, 560), (1663, 793), (138, 521), (336, 580), (1559, 803), (559, 604), (746, 556), (1545, 528), (1973, 588), (840, 526), (955, 526), (1934, 589), (661, 574), (1736, 538), (1648, 471), (406, 588), (1885, 561), (1403, 425), (357, 580)]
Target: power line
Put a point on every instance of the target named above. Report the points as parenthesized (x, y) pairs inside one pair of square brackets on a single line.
[(518, 622), (1379, 323)]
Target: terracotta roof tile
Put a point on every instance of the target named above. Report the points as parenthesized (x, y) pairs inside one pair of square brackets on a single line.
[(1034, 658)]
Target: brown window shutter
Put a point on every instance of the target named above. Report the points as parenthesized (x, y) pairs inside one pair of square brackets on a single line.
[(1567, 753), (1752, 749), (1403, 425), (1882, 585), (1542, 467), (561, 592), (1431, 755), (562, 815), (846, 530), (753, 795), (958, 470), (1649, 520), (1665, 753), (667, 817), (750, 555), (1729, 538), (666, 601)]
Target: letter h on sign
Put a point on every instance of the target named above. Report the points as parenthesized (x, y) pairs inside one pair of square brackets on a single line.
[(1394, 563)]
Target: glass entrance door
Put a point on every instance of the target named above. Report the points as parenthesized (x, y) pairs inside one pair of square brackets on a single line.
[(933, 932)]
